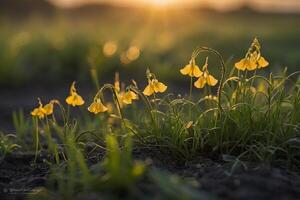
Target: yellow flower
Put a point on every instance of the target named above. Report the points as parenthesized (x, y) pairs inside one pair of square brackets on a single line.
[(39, 111), (205, 78), (253, 59), (97, 107), (48, 108), (42, 111), (74, 99), (129, 96), (154, 86), (262, 62), (246, 63), (191, 69)]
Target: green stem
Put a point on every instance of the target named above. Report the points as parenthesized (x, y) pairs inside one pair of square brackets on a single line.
[(190, 97), (191, 88), (48, 132), (146, 101), (36, 138)]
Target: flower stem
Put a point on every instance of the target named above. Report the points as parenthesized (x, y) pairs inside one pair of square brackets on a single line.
[(36, 138), (190, 97)]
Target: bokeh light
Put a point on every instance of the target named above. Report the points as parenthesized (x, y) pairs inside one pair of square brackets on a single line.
[(133, 53), (110, 48)]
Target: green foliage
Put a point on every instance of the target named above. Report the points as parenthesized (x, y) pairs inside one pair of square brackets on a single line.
[(22, 128), (7, 145)]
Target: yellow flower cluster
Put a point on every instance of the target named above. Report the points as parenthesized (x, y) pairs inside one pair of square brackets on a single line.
[(123, 97), (154, 86), (203, 76), (253, 59), (191, 69), (43, 111)]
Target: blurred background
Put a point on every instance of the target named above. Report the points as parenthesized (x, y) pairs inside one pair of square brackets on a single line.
[(46, 44)]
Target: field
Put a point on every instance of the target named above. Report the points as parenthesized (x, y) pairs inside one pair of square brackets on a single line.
[(150, 104)]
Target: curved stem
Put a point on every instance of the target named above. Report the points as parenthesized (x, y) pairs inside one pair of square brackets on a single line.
[(223, 69), (113, 90), (86, 132), (145, 99)]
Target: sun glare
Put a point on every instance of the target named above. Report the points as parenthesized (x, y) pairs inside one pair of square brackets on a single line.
[(160, 3)]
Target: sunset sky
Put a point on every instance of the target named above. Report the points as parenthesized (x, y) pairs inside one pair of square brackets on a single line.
[(278, 5)]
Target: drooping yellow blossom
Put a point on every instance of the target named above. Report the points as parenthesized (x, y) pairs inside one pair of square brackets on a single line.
[(262, 62), (129, 96), (42, 111), (74, 99), (48, 108), (246, 63), (97, 107), (154, 86), (205, 78), (191, 69), (39, 111), (253, 59)]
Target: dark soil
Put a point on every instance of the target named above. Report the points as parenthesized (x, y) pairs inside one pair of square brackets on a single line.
[(18, 176), (257, 182)]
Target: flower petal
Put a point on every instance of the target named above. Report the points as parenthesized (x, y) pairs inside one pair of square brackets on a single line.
[(148, 91), (197, 72), (241, 65), (48, 108), (186, 70), (69, 100), (211, 80), (200, 83), (250, 65), (160, 87), (97, 107), (262, 62), (79, 101)]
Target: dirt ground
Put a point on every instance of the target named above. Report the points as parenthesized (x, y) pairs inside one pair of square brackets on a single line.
[(259, 182)]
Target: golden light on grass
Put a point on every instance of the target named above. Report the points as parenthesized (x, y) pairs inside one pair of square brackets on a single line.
[(110, 48)]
